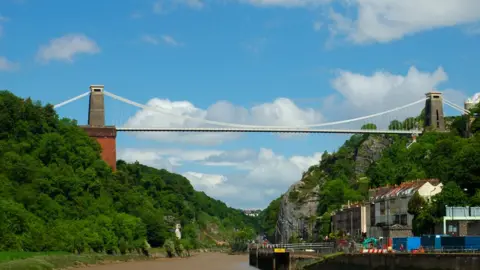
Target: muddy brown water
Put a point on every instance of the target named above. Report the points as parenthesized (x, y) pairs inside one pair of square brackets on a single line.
[(203, 261)]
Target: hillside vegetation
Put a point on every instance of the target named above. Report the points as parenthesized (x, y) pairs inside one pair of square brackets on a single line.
[(56, 193), (367, 161)]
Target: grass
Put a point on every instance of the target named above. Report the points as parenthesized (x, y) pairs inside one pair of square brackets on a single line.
[(11, 256), (51, 261)]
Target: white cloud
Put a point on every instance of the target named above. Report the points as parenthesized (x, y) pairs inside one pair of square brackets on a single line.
[(256, 176), (387, 20), (66, 47), (214, 185), (317, 26), (281, 112), (150, 39), (165, 158), (169, 40), (382, 90), (265, 174), (7, 65)]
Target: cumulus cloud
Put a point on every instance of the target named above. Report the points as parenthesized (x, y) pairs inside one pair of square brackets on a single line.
[(168, 159), (387, 20), (65, 48), (7, 65), (281, 112), (255, 177), (258, 176), (361, 94)]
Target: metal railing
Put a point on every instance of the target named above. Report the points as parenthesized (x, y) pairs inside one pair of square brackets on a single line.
[(322, 248)]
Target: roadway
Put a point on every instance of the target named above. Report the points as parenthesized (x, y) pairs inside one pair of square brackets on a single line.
[(269, 130)]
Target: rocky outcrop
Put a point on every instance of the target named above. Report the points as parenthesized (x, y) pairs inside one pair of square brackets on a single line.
[(294, 214), (299, 204), (369, 151)]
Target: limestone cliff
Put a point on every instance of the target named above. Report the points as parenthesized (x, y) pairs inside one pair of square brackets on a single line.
[(299, 205), (294, 214)]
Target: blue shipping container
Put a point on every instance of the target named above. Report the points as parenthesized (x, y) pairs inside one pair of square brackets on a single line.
[(413, 243), (472, 242), (428, 241), (438, 242), (398, 241), (453, 242)]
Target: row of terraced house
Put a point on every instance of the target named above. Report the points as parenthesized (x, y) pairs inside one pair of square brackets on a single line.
[(385, 214)]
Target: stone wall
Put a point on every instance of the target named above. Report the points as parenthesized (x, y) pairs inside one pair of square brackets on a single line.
[(400, 262)]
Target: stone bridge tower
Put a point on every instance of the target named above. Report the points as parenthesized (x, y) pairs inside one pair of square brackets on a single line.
[(105, 135), (434, 118)]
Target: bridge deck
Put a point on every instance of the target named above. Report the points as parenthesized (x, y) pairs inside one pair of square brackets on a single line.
[(268, 130)]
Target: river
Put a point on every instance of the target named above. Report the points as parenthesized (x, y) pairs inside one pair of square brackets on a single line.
[(203, 261)]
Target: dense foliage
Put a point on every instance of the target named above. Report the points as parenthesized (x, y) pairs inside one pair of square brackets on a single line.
[(450, 156), (268, 218), (56, 193)]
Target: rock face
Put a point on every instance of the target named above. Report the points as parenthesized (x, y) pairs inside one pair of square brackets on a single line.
[(294, 214), (369, 151)]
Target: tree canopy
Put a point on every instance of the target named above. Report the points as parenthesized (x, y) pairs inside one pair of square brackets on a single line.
[(56, 193)]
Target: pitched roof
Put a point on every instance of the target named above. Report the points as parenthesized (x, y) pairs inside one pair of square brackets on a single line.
[(405, 188)]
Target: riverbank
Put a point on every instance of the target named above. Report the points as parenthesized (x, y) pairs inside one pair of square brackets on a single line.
[(200, 261), (51, 261)]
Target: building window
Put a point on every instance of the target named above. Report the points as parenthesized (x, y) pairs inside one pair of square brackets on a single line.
[(382, 208), (438, 117), (404, 219), (397, 219)]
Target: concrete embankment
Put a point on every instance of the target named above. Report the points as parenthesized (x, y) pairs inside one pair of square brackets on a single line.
[(400, 262)]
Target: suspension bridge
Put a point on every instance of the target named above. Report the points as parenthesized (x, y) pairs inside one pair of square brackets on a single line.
[(399, 120)]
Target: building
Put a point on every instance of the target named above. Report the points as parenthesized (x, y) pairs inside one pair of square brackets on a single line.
[(460, 221), (389, 215), (351, 219), (385, 214), (252, 212)]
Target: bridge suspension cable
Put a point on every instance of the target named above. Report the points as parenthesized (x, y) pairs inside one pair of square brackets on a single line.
[(217, 123), (456, 107), (71, 100)]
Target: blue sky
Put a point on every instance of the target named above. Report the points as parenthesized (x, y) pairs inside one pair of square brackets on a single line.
[(261, 62)]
